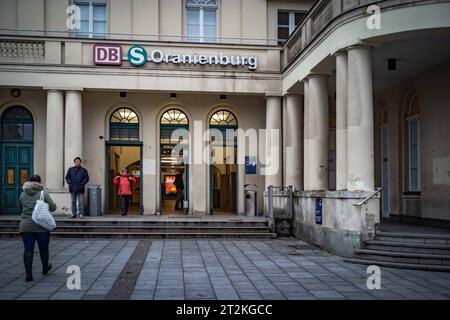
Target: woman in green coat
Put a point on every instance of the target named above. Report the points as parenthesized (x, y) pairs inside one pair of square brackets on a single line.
[(29, 230)]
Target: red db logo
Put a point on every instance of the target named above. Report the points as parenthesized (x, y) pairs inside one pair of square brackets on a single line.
[(108, 54)]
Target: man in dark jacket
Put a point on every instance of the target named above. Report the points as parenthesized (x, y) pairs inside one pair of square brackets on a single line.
[(77, 177)]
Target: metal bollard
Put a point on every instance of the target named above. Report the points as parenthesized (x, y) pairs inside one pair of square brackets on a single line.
[(270, 201)]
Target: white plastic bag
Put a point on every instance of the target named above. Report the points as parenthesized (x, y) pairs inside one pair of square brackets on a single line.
[(41, 215)]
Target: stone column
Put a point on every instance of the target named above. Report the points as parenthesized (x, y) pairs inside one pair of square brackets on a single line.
[(273, 162), (54, 165), (73, 139), (360, 120), (316, 134), (341, 120), (293, 141), (306, 185)]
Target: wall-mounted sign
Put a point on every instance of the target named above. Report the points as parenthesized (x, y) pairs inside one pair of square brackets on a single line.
[(319, 211), (138, 56), (108, 55), (250, 165)]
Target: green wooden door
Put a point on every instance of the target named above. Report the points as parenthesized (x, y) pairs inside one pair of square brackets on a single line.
[(16, 158), (17, 168)]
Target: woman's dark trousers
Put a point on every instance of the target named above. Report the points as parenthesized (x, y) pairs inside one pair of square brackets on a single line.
[(43, 240), (125, 203)]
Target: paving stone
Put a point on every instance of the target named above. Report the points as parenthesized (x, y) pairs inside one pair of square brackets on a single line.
[(209, 269)]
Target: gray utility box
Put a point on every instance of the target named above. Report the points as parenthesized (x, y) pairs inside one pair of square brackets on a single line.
[(250, 203), (94, 200)]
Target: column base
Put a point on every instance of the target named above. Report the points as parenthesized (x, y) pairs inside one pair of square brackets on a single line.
[(63, 202)]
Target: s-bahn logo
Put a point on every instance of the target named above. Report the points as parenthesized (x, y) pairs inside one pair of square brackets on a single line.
[(138, 56)]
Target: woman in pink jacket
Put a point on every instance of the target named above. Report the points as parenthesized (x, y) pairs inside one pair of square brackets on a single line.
[(124, 181)]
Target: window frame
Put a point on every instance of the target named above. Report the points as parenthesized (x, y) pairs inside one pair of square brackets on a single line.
[(90, 33), (201, 9), (410, 120), (16, 121), (291, 24), (124, 126)]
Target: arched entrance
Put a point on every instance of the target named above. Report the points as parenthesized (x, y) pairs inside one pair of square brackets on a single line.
[(17, 155), (174, 164), (223, 167), (124, 151)]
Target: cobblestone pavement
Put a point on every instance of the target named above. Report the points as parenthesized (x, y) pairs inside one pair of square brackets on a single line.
[(207, 269)]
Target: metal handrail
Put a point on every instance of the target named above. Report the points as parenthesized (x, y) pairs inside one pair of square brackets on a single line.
[(368, 198)]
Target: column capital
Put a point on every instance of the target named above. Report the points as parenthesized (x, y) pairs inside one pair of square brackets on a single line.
[(359, 46), (292, 94), (74, 90), (52, 89), (273, 95), (63, 89), (317, 75), (340, 52)]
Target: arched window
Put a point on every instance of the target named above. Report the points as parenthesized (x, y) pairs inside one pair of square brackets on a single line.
[(174, 117), (174, 127), (412, 118), (124, 125), (223, 118), (17, 124)]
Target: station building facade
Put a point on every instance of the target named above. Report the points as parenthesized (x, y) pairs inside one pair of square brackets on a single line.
[(358, 97)]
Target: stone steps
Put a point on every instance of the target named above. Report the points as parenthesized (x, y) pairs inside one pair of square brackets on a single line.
[(413, 237), (152, 235), (406, 250), (139, 228), (398, 265), (151, 228), (407, 247), (403, 257)]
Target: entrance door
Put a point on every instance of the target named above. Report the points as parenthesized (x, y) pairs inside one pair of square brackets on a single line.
[(385, 170), (17, 167), (223, 167), (16, 147), (121, 157), (174, 162)]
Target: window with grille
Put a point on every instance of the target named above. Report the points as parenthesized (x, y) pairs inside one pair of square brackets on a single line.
[(124, 125)]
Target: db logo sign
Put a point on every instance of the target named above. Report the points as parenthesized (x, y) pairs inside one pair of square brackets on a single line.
[(108, 55)]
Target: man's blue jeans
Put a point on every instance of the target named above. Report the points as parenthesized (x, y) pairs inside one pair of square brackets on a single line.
[(77, 204)]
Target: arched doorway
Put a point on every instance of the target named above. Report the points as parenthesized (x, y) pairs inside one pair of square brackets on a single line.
[(223, 167), (174, 164), (384, 161), (17, 155), (124, 151)]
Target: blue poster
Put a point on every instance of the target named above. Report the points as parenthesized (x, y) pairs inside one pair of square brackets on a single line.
[(250, 165), (319, 211)]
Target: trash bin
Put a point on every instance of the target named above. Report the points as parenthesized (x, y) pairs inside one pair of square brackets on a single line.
[(94, 200), (250, 203)]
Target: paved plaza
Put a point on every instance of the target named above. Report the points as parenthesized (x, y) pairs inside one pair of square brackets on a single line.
[(206, 269)]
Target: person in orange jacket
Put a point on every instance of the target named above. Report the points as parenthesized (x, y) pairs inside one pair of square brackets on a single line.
[(124, 181)]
